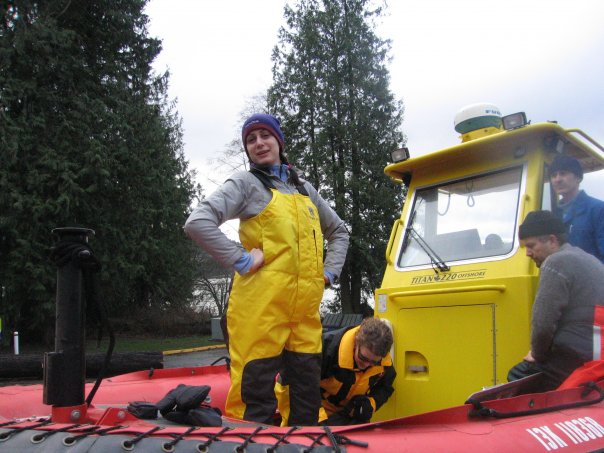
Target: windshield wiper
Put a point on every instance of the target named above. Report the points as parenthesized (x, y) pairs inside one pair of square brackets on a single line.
[(437, 262)]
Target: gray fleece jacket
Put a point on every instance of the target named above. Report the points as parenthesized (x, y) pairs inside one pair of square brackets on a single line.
[(571, 284), (243, 196)]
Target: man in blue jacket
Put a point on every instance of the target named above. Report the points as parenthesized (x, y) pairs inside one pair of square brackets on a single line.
[(583, 215)]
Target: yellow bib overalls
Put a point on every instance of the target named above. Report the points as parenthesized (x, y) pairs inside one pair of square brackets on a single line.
[(273, 314)]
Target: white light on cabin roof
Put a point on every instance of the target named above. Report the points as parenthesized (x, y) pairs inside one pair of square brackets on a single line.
[(399, 155), (514, 121)]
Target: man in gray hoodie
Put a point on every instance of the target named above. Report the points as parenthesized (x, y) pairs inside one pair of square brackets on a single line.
[(568, 312)]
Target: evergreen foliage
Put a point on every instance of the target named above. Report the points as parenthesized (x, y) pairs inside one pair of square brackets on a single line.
[(330, 89), (88, 138)]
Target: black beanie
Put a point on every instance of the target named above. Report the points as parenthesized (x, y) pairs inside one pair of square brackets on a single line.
[(540, 223), (566, 163)]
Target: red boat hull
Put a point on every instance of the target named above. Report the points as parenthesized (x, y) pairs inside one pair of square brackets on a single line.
[(560, 427)]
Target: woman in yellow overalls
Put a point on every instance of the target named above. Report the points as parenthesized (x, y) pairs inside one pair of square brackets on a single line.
[(273, 314)]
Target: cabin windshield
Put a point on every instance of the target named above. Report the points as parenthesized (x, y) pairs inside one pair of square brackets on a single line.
[(464, 219)]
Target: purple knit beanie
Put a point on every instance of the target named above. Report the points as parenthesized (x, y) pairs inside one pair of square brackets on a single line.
[(263, 121)]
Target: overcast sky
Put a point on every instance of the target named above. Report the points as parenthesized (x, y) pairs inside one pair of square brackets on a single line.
[(543, 57)]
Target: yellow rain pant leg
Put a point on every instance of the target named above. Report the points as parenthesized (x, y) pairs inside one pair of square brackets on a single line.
[(256, 341), (304, 371)]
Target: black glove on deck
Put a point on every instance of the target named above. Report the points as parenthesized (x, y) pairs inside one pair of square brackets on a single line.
[(183, 398)]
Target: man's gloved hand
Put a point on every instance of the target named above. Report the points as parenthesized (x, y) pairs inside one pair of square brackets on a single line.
[(361, 408)]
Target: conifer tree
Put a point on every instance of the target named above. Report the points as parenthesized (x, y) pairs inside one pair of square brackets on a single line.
[(330, 88), (88, 138)]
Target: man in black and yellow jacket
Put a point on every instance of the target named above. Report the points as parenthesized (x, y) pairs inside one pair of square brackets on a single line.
[(356, 374)]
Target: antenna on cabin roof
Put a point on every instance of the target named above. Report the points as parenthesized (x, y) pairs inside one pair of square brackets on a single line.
[(478, 120)]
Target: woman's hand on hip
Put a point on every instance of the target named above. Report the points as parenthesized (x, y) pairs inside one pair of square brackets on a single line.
[(257, 259)]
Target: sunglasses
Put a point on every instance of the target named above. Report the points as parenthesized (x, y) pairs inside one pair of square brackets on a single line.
[(364, 359)]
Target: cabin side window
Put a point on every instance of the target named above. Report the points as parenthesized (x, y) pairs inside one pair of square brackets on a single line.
[(465, 219), (548, 200)]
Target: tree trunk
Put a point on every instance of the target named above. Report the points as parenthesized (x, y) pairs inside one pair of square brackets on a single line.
[(345, 293), (30, 365)]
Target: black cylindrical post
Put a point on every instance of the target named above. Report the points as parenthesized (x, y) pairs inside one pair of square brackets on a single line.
[(65, 368)]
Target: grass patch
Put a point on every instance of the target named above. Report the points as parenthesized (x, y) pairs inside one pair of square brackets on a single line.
[(128, 344), (142, 344)]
